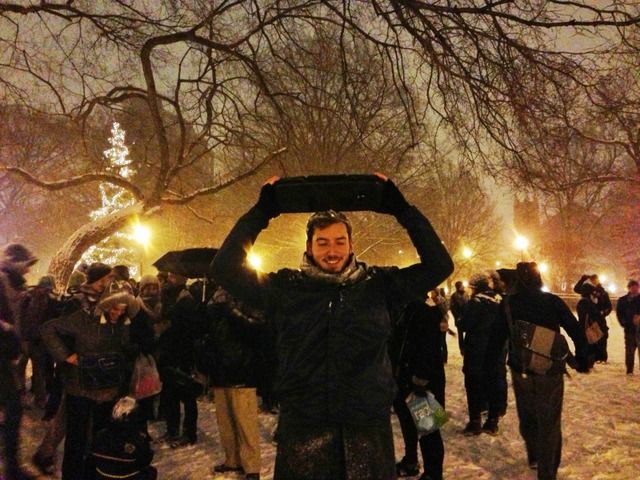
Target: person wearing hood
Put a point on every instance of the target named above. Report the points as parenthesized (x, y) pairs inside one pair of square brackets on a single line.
[(14, 265), (332, 320), (539, 396), (477, 323), (142, 332), (99, 337)]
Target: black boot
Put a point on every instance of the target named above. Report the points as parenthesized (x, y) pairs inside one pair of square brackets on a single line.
[(491, 426), (474, 427), (404, 468)]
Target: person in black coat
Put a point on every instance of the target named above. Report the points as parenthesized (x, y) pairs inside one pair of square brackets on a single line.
[(176, 360), (628, 312), (604, 307), (480, 366), (588, 313), (539, 397), (415, 352), (332, 320)]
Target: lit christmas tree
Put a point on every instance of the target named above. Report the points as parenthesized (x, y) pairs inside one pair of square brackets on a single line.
[(120, 248)]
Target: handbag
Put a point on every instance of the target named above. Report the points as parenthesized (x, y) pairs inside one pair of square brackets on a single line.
[(104, 370), (145, 380), (427, 413), (593, 331), (541, 349)]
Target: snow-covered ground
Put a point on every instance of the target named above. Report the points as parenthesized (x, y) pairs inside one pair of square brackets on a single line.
[(600, 426)]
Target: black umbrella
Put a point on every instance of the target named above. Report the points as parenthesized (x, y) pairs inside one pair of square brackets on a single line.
[(190, 263)]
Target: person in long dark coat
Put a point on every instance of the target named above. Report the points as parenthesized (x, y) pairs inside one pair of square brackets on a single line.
[(415, 351), (628, 312), (332, 320)]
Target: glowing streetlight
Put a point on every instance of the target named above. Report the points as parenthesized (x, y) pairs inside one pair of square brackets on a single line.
[(254, 260), (465, 284), (498, 264), (141, 234), (521, 243), (467, 253), (602, 278), (612, 288), (543, 267)]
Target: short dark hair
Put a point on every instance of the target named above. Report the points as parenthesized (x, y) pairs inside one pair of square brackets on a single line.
[(459, 284), (632, 283), (324, 219)]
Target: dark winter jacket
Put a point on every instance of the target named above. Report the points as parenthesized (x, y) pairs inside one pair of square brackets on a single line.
[(176, 343), (626, 308), (141, 332), (587, 310), (477, 323), (91, 335), (332, 338), (38, 305), (546, 310), (458, 301), (12, 288), (236, 334), (415, 349)]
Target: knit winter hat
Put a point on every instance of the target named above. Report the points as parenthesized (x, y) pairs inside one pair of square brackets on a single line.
[(16, 253), (47, 281), (76, 279), (97, 271), (148, 280)]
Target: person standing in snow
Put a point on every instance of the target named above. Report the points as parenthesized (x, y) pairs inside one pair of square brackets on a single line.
[(628, 312), (539, 397), (458, 300), (332, 320)]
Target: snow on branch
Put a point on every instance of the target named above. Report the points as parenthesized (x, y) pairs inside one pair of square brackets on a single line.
[(78, 180), (179, 199)]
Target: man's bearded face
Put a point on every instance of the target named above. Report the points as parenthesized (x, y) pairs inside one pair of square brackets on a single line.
[(330, 247)]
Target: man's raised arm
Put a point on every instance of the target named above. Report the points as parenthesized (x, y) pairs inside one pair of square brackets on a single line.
[(229, 267)]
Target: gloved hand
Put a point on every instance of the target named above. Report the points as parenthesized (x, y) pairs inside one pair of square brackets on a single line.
[(267, 201), (393, 202)]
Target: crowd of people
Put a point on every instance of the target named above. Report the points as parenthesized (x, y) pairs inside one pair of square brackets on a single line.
[(333, 347)]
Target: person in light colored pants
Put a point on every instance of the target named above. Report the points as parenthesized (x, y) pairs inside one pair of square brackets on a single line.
[(237, 414)]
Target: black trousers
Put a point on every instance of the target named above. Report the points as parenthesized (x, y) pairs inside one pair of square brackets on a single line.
[(630, 347), (83, 419), (10, 401), (539, 402), (172, 398), (431, 446)]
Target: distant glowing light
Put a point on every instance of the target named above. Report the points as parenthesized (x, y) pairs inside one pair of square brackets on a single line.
[(466, 252), (602, 278), (543, 267), (400, 252), (446, 290), (465, 284), (613, 288), (545, 288), (255, 261), (521, 243), (141, 234), (498, 264)]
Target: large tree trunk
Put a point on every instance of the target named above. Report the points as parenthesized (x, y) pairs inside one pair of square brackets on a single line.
[(64, 260)]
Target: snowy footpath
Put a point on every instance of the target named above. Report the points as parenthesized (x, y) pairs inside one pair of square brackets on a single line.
[(601, 429)]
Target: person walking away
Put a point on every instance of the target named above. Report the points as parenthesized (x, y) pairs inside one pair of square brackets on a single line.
[(628, 313), (604, 306), (458, 300), (418, 366), (236, 331), (176, 361), (83, 293), (332, 320), (98, 339), (15, 264), (38, 305), (477, 324), (539, 397)]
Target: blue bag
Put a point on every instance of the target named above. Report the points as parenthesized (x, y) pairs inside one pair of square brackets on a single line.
[(427, 413)]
